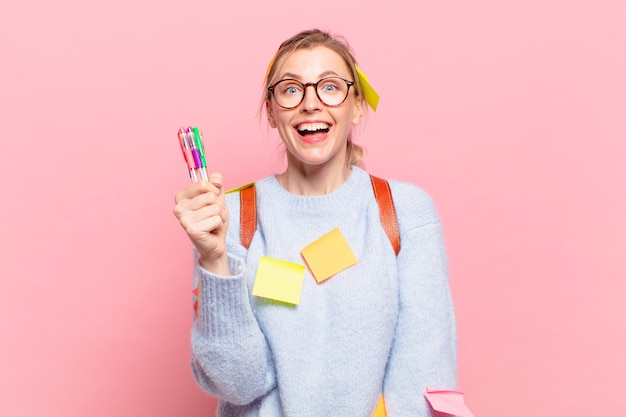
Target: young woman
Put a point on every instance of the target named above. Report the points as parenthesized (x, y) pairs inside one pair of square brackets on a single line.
[(382, 327)]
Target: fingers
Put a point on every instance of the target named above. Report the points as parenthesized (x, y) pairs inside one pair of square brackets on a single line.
[(199, 194), (201, 208), (214, 186), (211, 211), (201, 222)]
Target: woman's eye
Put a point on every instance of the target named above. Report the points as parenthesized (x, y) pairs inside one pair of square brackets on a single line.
[(290, 89), (329, 86)]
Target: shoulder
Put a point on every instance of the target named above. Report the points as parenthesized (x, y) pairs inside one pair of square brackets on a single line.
[(233, 196), (233, 202), (414, 206)]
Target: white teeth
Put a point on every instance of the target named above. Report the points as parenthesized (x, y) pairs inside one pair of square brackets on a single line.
[(312, 127)]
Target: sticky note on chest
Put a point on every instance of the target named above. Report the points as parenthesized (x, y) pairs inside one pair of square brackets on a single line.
[(279, 280), (328, 255)]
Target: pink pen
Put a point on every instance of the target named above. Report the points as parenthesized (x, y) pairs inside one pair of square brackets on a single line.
[(187, 154)]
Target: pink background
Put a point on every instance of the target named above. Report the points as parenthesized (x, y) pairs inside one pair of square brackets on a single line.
[(512, 114)]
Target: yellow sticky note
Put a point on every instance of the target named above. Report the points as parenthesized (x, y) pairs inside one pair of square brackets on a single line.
[(371, 96), (279, 280), (380, 408), (232, 190), (328, 255)]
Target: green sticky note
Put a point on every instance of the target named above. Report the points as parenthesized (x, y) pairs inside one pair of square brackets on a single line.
[(279, 280)]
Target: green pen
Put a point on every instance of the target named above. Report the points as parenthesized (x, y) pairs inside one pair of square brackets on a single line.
[(200, 146)]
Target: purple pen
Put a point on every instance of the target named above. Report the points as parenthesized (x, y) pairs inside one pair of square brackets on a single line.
[(196, 154)]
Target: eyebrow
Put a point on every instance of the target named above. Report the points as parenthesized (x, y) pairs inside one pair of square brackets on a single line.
[(297, 77)]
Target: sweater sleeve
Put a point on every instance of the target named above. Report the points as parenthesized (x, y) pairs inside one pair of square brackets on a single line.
[(231, 358), (423, 353)]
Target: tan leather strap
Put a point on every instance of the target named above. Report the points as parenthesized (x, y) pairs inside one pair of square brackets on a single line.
[(388, 218), (247, 221), (382, 192)]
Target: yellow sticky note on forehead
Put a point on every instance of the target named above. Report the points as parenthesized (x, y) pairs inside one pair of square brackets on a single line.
[(370, 95), (328, 255), (279, 280)]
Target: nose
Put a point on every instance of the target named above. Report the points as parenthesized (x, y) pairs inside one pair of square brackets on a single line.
[(310, 102)]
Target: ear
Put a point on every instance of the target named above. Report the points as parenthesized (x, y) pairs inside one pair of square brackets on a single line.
[(270, 114), (358, 111)]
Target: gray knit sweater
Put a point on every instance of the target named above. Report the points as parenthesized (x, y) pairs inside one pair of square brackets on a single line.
[(385, 325)]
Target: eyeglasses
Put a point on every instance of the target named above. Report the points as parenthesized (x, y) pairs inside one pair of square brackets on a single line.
[(289, 93)]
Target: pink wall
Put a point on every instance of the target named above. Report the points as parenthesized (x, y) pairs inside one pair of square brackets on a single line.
[(511, 114)]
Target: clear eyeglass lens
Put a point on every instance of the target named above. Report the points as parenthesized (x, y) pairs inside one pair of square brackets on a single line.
[(332, 91)]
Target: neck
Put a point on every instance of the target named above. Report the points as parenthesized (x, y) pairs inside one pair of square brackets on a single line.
[(313, 180)]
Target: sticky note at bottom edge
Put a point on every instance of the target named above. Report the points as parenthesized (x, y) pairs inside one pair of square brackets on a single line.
[(448, 401)]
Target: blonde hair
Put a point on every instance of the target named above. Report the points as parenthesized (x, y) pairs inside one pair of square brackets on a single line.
[(306, 40)]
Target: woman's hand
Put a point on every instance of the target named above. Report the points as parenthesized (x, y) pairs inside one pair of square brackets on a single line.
[(202, 212)]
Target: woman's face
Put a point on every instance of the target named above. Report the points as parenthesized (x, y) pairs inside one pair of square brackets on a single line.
[(313, 133)]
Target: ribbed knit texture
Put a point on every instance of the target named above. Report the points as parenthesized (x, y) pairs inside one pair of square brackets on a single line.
[(385, 324)]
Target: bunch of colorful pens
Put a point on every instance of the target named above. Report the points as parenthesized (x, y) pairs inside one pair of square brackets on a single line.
[(190, 139)]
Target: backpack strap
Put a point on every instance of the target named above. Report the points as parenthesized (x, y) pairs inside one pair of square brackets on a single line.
[(388, 217), (247, 221), (382, 193)]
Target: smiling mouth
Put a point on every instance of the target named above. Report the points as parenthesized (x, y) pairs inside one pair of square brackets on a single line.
[(312, 128)]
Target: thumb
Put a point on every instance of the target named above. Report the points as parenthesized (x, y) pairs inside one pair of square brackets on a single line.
[(216, 179)]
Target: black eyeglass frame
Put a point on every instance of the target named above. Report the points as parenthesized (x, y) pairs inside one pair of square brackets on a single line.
[(304, 88)]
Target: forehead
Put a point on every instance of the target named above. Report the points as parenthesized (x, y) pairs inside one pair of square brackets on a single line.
[(311, 63)]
